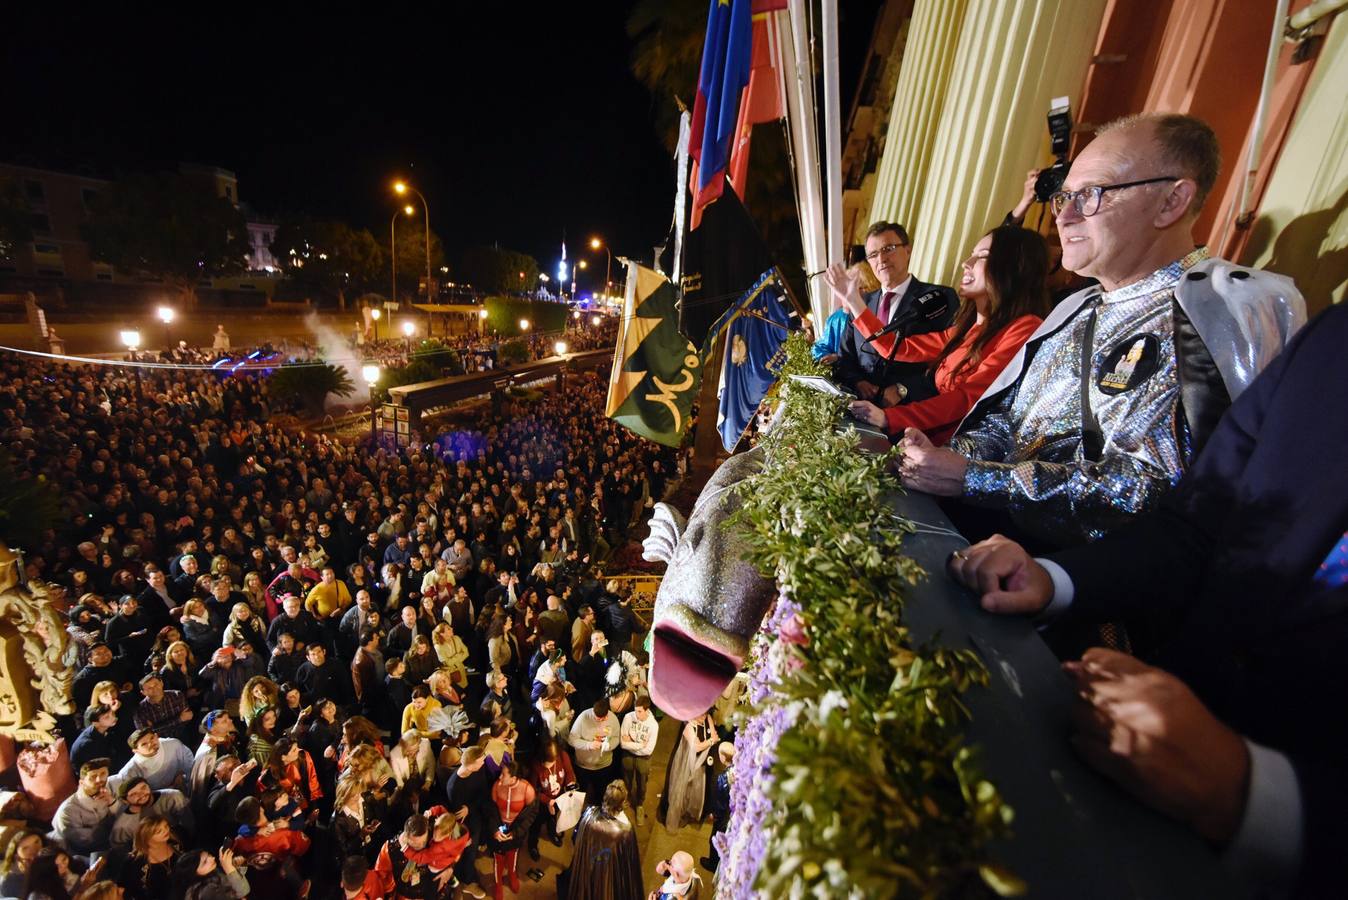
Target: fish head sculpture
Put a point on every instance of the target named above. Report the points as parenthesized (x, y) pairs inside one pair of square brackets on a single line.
[(711, 600)]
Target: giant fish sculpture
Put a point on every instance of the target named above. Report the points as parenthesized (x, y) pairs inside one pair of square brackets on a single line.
[(711, 600)]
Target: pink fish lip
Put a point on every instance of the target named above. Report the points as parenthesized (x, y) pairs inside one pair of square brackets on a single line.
[(688, 674)]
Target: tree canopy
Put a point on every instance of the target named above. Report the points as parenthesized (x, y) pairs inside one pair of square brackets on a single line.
[(411, 235), (167, 226), (330, 258), (497, 271)]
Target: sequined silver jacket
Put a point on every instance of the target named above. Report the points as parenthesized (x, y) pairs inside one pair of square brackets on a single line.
[(1168, 355)]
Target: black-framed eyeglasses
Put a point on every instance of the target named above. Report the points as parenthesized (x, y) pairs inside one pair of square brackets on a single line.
[(1087, 200), (885, 250)]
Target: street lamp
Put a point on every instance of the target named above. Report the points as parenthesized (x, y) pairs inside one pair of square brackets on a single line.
[(374, 317), (400, 188), (393, 247), (409, 329), (370, 372), (482, 321), (524, 324), (131, 340), (560, 347), (594, 320), (595, 244), (166, 314)]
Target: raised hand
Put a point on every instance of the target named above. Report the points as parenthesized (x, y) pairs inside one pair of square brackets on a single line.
[(846, 288)]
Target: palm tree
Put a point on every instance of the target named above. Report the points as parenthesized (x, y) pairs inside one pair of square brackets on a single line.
[(307, 385)]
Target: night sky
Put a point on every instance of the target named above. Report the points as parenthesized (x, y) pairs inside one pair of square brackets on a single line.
[(516, 121)]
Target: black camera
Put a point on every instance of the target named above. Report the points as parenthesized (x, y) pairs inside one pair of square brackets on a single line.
[(1050, 179)]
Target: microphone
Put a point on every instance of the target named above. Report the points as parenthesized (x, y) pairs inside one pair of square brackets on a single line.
[(928, 307)]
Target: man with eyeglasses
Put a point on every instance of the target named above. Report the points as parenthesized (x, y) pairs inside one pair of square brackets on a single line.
[(1101, 411), (861, 368)]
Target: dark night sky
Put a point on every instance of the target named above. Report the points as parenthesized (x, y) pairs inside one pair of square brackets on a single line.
[(515, 120)]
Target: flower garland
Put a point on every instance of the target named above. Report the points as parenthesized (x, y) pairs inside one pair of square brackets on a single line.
[(852, 777)]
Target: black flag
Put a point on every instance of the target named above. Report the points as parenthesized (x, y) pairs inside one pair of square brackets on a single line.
[(723, 258)]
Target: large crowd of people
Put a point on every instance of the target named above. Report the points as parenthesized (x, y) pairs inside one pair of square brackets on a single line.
[(293, 652)]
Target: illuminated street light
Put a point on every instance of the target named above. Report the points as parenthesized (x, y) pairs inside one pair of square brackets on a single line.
[(583, 264), (375, 313), (409, 329), (575, 314), (524, 324), (131, 340), (166, 314), (560, 347), (482, 314), (595, 244), (370, 372), (594, 320), (400, 188)]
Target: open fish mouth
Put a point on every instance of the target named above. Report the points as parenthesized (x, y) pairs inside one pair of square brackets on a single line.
[(691, 662)]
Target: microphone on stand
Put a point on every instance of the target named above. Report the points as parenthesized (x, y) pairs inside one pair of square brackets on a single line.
[(929, 307)]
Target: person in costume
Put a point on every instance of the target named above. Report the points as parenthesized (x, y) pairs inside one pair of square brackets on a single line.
[(606, 864), (1071, 441), (689, 775)]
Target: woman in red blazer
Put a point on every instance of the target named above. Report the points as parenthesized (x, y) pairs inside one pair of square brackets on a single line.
[(1005, 297)]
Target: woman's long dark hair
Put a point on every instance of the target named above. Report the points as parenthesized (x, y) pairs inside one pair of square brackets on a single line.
[(1017, 279), (43, 877)]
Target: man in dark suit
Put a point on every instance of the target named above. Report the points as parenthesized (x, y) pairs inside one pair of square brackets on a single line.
[(860, 368), (1237, 589)]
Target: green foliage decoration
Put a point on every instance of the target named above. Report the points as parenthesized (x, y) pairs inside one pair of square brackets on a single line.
[(875, 791)]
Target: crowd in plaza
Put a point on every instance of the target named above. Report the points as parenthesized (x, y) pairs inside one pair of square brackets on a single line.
[(304, 665)]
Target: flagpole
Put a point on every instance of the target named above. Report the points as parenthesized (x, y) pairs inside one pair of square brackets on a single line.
[(798, 83), (832, 132)]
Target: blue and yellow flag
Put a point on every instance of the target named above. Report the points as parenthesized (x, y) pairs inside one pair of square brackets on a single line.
[(656, 370), (756, 329)]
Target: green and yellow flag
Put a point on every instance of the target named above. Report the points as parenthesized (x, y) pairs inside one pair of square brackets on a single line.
[(656, 370)]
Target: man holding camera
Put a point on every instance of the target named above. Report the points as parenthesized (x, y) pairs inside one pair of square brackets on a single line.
[(861, 368), (1101, 411)]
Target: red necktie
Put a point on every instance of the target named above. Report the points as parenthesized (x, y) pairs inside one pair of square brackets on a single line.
[(884, 307)]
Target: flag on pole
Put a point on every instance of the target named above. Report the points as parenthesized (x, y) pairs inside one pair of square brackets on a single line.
[(756, 329), (656, 370), (763, 95), (722, 260), (727, 58)]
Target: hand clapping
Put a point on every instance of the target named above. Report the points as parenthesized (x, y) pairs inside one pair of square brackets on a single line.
[(846, 287)]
